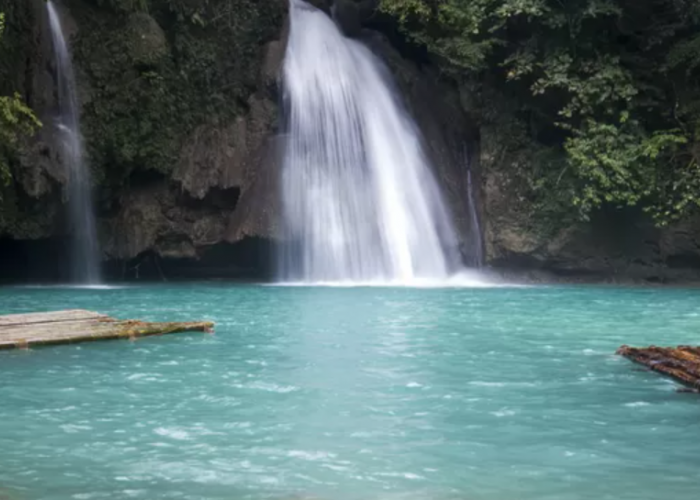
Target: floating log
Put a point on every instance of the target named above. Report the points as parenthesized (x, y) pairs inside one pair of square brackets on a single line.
[(681, 363), (22, 331)]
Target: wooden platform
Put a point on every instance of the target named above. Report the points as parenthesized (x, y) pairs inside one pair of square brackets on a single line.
[(681, 363), (22, 331)]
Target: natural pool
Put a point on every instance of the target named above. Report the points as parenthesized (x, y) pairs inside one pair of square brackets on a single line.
[(354, 393)]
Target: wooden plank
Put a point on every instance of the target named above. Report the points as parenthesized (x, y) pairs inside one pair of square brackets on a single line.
[(70, 330), (53, 325), (48, 317), (681, 363), (64, 327), (53, 328)]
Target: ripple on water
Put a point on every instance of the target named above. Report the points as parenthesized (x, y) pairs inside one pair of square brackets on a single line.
[(354, 394)]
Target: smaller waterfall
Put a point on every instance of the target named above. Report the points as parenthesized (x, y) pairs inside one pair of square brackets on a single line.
[(85, 267), (476, 236), (474, 254)]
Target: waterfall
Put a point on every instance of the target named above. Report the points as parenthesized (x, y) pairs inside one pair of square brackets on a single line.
[(475, 232), (84, 246), (360, 202)]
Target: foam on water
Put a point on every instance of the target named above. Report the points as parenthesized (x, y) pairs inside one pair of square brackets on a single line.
[(462, 279), (74, 287)]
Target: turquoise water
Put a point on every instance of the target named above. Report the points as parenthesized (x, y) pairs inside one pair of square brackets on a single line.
[(350, 394)]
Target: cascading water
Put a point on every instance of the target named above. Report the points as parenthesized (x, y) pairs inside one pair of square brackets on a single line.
[(360, 202), (475, 233), (85, 251)]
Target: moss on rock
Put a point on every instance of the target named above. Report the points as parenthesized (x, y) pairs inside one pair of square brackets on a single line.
[(152, 78)]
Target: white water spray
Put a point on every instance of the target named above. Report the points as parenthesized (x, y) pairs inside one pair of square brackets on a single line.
[(360, 201), (475, 232), (84, 251)]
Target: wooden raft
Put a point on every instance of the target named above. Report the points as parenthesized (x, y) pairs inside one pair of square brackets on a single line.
[(681, 363), (22, 331)]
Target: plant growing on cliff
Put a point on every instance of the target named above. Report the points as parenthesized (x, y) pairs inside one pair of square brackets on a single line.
[(16, 119), (612, 83)]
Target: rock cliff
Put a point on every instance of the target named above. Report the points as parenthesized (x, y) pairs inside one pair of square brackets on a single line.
[(181, 121), (179, 117), (538, 237)]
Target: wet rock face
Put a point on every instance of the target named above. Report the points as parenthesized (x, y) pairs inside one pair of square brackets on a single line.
[(616, 245), (147, 42), (350, 15), (222, 189), (189, 202), (324, 5), (161, 219)]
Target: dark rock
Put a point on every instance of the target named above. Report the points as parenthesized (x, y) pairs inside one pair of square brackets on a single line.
[(348, 16), (146, 40), (324, 5)]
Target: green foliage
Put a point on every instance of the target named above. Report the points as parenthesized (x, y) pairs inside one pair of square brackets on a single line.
[(613, 83), (16, 119), (621, 165), (456, 30), (686, 53)]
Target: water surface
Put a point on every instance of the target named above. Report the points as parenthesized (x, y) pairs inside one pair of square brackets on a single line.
[(354, 393)]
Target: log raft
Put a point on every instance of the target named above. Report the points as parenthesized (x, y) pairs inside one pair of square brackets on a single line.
[(22, 331), (681, 363)]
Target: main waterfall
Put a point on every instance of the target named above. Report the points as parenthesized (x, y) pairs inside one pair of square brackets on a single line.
[(84, 251), (360, 202)]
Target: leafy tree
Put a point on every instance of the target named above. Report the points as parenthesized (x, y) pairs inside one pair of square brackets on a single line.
[(613, 82)]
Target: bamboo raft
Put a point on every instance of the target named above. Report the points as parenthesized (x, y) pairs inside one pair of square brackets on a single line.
[(22, 331), (681, 363)]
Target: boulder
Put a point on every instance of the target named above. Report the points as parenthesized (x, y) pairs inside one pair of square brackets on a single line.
[(146, 41), (347, 15)]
